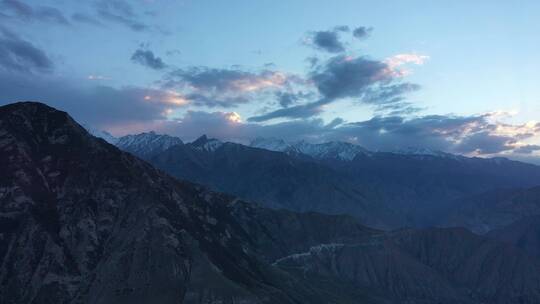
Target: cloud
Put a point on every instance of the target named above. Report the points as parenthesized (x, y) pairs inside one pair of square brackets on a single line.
[(286, 99), (396, 62), (227, 80), (135, 109), (84, 18), (300, 111), (527, 149), (23, 11), (98, 105), (148, 59), (214, 124), (224, 87), (211, 101), (229, 126), (362, 79), (327, 41), (362, 32), (397, 108), (97, 77), (342, 28), (19, 55), (395, 132), (485, 142), (121, 12), (343, 76), (470, 135), (389, 96), (174, 52), (401, 59)]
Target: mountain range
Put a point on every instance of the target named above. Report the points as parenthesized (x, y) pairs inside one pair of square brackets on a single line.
[(387, 190), (82, 221)]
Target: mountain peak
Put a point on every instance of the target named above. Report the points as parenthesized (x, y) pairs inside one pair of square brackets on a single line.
[(417, 151), (147, 144), (270, 143), (200, 141), (422, 152), (108, 137), (36, 105), (206, 144), (46, 124), (335, 149), (33, 112)]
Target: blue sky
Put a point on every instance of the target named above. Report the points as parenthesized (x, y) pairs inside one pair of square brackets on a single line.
[(457, 76)]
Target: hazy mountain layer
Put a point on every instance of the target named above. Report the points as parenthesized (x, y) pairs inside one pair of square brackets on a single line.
[(524, 233), (385, 190), (494, 209)]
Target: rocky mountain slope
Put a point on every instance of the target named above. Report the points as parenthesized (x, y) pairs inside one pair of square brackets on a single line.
[(494, 210), (524, 233), (427, 266)]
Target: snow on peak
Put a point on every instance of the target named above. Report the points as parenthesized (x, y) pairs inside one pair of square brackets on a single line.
[(333, 149), (108, 137), (148, 142), (424, 152), (206, 144), (337, 150), (272, 144)]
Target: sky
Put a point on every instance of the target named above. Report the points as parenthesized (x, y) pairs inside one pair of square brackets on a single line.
[(459, 76)]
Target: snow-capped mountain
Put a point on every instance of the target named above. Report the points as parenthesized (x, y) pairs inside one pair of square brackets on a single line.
[(425, 152), (333, 149), (206, 144), (108, 137), (147, 144), (272, 144), (338, 150)]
